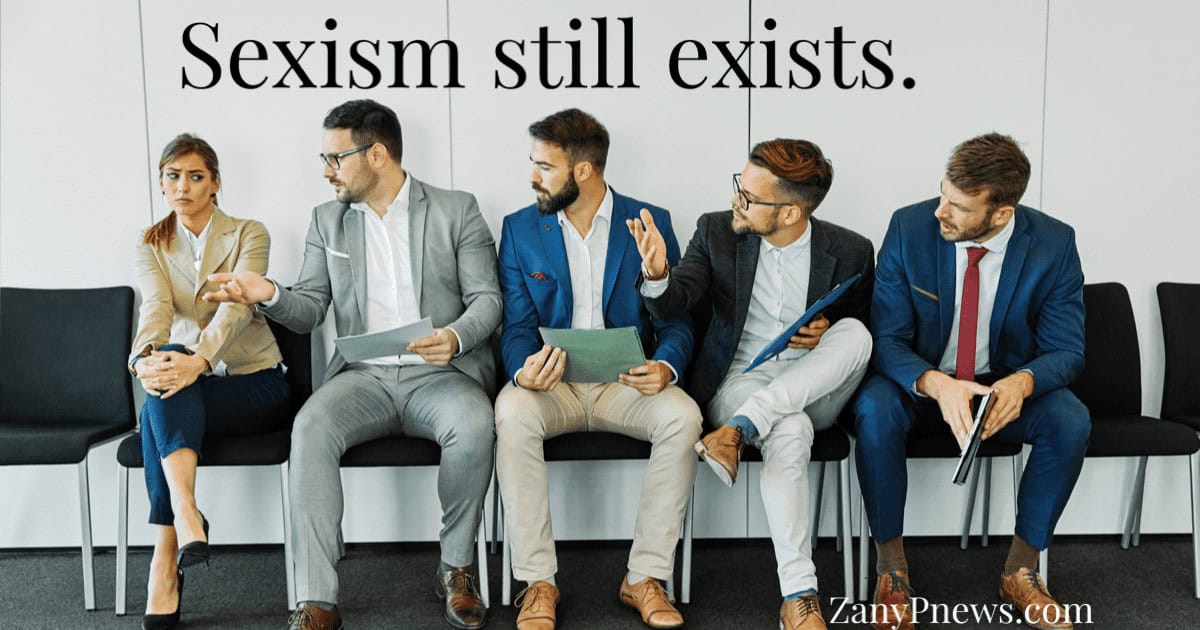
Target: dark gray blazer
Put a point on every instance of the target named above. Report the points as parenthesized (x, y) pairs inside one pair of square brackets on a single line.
[(715, 278), (453, 266)]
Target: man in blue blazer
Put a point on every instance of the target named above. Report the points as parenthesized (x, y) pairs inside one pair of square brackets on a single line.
[(568, 262), (975, 293)]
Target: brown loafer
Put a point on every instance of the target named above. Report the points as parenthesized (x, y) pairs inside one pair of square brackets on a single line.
[(722, 450), (309, 617), (538, 602), (649, 598), (464, 606), (893, 602), (801, 614), (1026, 592)]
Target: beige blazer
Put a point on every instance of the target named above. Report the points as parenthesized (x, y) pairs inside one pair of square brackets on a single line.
[(172, 311)]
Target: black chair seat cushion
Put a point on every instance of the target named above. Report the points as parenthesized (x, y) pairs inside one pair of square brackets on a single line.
[(830, 445), (393, 451), (265, 449), (944, 445), (64, 442), (1190, 421), (1131, 436), (594, 446)]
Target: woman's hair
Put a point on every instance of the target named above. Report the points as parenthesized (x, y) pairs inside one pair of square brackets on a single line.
[(161, 233)]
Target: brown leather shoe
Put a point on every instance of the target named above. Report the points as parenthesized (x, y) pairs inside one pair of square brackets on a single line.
[(801, 614), (537, 603), (649, 598), (893, 602), (722, 450), (464, 606), (309, 617), (1026, 591)]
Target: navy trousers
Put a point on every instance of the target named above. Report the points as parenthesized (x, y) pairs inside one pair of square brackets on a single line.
[(1057, 424), (244, 404)]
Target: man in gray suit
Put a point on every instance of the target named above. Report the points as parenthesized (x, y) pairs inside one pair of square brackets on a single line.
[(390, 251)]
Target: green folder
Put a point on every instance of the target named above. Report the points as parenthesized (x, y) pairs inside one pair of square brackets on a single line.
[(596, 356)]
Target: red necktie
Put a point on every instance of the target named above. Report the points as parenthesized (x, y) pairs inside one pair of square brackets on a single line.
[(968, 317)]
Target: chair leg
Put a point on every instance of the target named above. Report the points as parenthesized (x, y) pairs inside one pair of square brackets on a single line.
[(1135, 501), (289, 554), (1194, 476), (843, 533), (1044, 565), (481, 555), (969, 509), (1017, 470), (505, 564), (987, 501), (864, 534), (341, 543), (1137, 524), (688, 531), (495, 512), (122, 537), (816, 510), (85, 526)]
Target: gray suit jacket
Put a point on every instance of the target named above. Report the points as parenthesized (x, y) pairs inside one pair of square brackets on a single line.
[(454, 275)]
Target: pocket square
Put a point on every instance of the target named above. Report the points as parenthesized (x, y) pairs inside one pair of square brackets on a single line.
[(334, 252), (932, 296), (537, 275)]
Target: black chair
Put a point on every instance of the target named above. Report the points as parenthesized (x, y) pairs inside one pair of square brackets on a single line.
[(268, 449), (64, 386), (1180, 307), (1111, 388), (403, 452), (600, 446)]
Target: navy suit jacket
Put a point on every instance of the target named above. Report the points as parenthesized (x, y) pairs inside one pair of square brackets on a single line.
[(1037, 319), (535, 282)]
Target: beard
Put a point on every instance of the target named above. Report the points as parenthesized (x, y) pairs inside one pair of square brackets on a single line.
[(346, 194), (742, 226), (566, 196), (972, 233)]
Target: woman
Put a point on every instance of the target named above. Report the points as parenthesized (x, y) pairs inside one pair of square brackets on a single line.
[(207, 369)]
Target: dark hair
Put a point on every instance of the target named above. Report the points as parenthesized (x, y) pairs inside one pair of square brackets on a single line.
[(992, 162), (804, 174), (161, 233), (369, 122), (579, 134)]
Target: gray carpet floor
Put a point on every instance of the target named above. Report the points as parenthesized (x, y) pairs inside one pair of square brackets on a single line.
[(733, 585)]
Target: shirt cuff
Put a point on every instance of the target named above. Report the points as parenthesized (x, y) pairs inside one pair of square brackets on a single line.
[(654, 288), (460, 346), (674, 373), (274, 297)]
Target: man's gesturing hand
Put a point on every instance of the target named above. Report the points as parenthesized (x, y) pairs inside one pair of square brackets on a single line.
[(650, 244), (240, 287)]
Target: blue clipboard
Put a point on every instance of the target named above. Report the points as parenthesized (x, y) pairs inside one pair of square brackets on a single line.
[(779, 344)]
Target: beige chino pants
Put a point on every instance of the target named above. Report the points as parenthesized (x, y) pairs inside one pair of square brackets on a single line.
[(669, 420)]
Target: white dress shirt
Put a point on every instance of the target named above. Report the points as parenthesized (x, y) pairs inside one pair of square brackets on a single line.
[(586, 257), (989, 281), (195, 241)]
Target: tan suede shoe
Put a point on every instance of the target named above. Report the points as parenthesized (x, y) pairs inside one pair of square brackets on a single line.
[(650, 600), (893, 602), (538, 603), (309, 617), (801, 614), (1026, 591), (722, 450)]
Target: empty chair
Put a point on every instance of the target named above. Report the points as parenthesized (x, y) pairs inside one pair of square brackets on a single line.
[(64, 385)]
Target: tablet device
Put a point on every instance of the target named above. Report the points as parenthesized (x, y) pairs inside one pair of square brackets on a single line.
[(972, 448)]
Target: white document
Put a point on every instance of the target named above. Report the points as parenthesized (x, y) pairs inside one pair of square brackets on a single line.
[(387, 343)]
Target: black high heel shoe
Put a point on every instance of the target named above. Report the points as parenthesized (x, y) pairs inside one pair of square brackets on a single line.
[(196, 551), (168, 621)]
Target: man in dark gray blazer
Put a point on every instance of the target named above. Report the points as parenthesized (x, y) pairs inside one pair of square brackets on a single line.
[(388, 252), (762, 265)]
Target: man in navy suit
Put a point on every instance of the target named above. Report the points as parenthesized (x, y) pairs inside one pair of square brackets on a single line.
[(568, 262), (975, 293)]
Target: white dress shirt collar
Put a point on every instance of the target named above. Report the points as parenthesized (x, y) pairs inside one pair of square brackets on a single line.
[(603, 212), (399, 205)]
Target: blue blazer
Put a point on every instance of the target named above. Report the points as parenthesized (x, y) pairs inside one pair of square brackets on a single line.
[(1037, 319), (535, 282)]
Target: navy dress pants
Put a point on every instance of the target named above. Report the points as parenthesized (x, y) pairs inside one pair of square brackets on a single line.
[(244, 404), (1056, 423)]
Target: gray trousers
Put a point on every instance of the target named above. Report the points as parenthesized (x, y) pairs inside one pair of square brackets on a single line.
[(365, 402)]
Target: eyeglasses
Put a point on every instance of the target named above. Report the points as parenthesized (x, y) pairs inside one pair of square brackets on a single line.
[(746, 201), (334, 160)]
